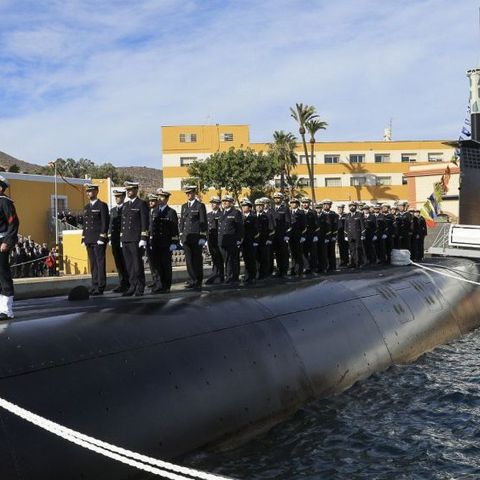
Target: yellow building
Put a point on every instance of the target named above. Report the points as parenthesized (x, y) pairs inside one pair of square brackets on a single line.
[(343, 170)]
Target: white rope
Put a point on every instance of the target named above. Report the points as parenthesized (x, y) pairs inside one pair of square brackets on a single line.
[(445, 274), (142, 462)]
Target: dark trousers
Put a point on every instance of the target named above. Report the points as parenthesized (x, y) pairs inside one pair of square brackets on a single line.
[(402, 242), (331, 256), (194, 260), (310, 253), (96, 259), (231, 260), (280, 250), (369, 249), (343, 249), (120, 265), (263, 258), (380, 250), (133, 254), (152, 261), (6, 282), (297, 256), (162, 259), (217, 262), (388, 248), (322, 255), (356, 252), (249, 254)]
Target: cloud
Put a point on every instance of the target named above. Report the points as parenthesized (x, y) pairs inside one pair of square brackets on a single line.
[(98, 79)]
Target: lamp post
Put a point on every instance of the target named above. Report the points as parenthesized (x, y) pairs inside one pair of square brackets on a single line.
[(55, 212)]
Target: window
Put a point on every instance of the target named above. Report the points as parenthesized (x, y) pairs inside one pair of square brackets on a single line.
[(226, 137), (62, 202), (357, 181), (357, 158), (332, 158), (404, 180), (382, 157), (384, 180), (185, 161), (188, 137), (435, 157), (409, 157), (302, 159), (333, 182), (305, 182)]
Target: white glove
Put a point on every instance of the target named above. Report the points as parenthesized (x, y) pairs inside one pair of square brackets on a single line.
[(121, 245), (315, 239), (362, 238), (346, 239), (326, 240), (384, 237), (302, 239), (374, 237), (142, 243), (268, 242), (334, 239), (286, 239), (173, 247), (417, 236), (239, 242), (255, 244), (181, 243), (99, 242), (202, 242)]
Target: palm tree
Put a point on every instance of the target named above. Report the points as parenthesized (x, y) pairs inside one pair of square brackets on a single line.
[(313, 126), (283, 150), (302, 114)]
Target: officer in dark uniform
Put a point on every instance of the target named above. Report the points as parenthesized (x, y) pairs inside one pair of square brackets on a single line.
[(323, 228), (370, 235), (269, 243), (403, 227), (114, 235), (355, 235), (422, 233), (212, 237), (250, 241), (381, 234), (264, 227), (342, 244), (164, 240), (193, 235), (8, 239), (332, 232), (281, 217), (309, 246), (389, 232), (152, 205), (96, 221), (134, 236), (230, 236), (296, 232)]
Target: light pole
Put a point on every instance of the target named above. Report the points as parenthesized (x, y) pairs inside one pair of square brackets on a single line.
[(55, 212)]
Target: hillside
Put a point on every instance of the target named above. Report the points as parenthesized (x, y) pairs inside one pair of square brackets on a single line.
[(149, 178), (6, 161)]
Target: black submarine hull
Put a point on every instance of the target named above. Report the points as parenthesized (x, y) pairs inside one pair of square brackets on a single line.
[(167, 375)]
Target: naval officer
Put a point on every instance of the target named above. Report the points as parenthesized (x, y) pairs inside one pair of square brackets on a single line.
[(114, 234), (96, 220)]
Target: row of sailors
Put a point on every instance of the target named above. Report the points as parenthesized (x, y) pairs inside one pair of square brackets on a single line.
[(295, 238)]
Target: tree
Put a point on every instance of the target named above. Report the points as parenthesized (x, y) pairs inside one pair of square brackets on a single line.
[(14, 168), (283, 151), (313, 126), (302, 114)]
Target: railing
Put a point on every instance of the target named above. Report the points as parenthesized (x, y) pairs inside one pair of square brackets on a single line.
[(438, 241)]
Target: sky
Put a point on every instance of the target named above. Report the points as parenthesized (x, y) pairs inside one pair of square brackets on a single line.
[(97, 79)]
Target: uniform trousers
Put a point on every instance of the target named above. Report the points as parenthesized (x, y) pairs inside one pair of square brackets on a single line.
[(297, 256), (217, 261), (162, 259), (310, 253), (263, 258), (331, 256), (120, 265), (249, 254), (153, 267), (356, 252), (96, 259), (322, 255), (369, 249), (402, 242), (194, 261), (380, 249), (6, 282), (280, 250), (133, 254), (231, 260)]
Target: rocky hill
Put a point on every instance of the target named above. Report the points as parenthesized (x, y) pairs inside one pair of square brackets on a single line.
[(149, 178), (6, 161)]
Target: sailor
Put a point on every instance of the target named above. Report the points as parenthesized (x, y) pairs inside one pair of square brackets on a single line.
[(230, 236), (193, 235), (309, 246), (389, 232), (164, 240), (422, 233), (8, 239), (96, 220), (381, 229), (114, 235), (212, 237), (134, 237), (250, 241), (370, 235), (355, 235), (322, 235), (403, 227), (264, 228), (152, 261), (332, 232), (342, 244), (281, 216), (296, 234), (269, 244)]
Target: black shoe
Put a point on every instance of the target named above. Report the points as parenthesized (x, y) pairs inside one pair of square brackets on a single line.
[(4, 316), (91, 290), (307, 271), (138, 293), (118, 289), (151, 285), (128, 293), (211, 280), (190, 285), (96, 293)]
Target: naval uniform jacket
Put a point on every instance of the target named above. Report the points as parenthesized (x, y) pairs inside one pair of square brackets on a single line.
[(163, 227), (341, 225), (230, 228), (193, 222), (332, 223), (264, 228), (212, 221), (311, 219), (135, 220), (8, 222), (96, 221), (250, 225), (115, 224), (298, 225), (403, 225), (281, 217), (354, 226)]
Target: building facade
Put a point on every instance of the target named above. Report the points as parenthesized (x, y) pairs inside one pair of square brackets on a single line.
[(343, 171)]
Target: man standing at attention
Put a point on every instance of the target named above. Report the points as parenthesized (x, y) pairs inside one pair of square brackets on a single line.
[(96, 220), (114, 233)]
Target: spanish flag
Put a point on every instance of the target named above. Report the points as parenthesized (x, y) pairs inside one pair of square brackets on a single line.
[(428, 214)]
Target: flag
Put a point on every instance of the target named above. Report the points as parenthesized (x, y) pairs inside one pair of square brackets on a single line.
[(438, 192), (432, 201), (445, 179), (466, 132), (427, 213)]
